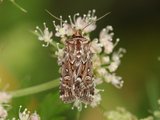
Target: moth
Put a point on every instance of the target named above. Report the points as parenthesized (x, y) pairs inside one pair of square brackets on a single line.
[(77, 79), (76, 71)]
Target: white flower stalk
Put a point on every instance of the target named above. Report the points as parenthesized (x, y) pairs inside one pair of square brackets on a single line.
[(44, 35)]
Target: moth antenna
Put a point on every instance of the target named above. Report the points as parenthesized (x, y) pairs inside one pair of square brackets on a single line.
[(60, 19), (96, 20)]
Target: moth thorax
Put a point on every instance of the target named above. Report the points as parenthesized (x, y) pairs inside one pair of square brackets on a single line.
[(77, 33)]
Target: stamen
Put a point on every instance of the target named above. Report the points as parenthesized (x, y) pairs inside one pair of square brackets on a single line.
[(45, 45), (71, 22), (93, 12), (39, 30), (74, 17), (61, 21), (117, 41), (89, 13), (84, 16)]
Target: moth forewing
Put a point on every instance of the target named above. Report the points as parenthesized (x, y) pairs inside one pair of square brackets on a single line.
[(77, 76)]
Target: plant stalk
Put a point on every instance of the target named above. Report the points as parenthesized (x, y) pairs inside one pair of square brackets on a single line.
[(35, 89)]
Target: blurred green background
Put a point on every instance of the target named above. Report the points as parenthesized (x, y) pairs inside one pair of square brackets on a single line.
[(24, 62)]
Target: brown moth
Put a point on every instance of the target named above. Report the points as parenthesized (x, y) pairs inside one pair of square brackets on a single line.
[(77, 82), (76, 71)]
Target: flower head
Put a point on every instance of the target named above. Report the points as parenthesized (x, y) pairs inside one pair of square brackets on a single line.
[(76, 23), (44, 35)]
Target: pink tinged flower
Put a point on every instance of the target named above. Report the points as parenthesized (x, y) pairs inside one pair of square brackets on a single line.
[(3, 113), (4, 97), (44, 35), (34, 116), (64, 29), (85, 23)]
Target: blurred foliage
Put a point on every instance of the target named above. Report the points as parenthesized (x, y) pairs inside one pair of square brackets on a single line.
[(24, 62)]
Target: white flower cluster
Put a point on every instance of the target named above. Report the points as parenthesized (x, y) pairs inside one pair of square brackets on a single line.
[(25, 115), (4, 99), (105, 60), (119, 114), (44, 35), (66, 29), (4, 107), (77, 23)]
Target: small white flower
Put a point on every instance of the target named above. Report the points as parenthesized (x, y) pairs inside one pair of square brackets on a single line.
[(98, 81), (106, 39), (96, 98), (114, 80), (102, 71), (3, 113), (24, 115), (44, 35), (113, 66), (115, 62), (60, 54), (105, 60), (96, 61), (4, 97), (34, 116), (64, 29), (81, 22), (95, 46)]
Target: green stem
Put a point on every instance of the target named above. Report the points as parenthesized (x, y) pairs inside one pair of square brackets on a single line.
[(78, 115), (35, 89), (18, 6)]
